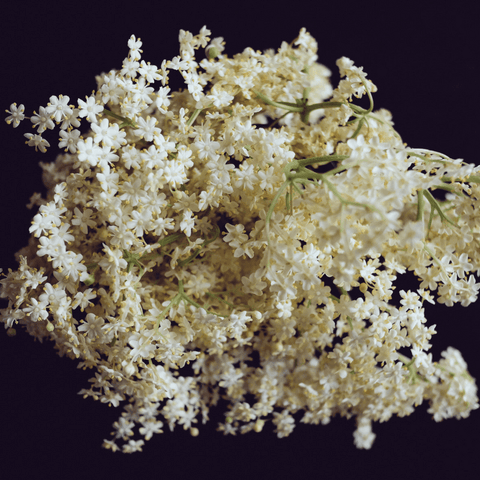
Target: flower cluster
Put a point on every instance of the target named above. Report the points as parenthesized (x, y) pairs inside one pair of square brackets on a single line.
[(240, 239)]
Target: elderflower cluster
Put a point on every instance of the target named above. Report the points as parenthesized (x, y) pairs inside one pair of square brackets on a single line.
[(240, 239)]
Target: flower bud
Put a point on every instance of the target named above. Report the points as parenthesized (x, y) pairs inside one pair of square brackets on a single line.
[(211, 52)]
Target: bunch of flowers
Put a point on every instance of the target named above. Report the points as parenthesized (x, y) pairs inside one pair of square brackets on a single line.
[(239, 240)]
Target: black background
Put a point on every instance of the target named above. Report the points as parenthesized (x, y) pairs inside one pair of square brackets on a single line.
[(424, 61)]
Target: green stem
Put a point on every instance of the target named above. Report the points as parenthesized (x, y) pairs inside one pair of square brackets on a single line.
[(125, 121), (220, 299), (195, 114), (325, 159), (421, 205), (435, 206), (216, 233), (471, 179), (272, 207), (292, 107), (333, 189)]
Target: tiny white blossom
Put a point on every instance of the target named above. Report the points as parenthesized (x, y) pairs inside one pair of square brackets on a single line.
[(89, 109), (88, 152), (16, 114), (37, 141), (43, 120), (58, 107), (147, 129)]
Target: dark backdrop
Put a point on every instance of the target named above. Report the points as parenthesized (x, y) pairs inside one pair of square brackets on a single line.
[(424, 61)]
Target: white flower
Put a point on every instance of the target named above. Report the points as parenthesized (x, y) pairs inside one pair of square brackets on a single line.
[(187, 223), (16, 114), (146, 128), (88, 152), (43, 120), (363, 435), (246, 177), (83, 219), (36, 310), (36, 141), (134, 45), (114, 261), (284, 422), (150, 72), (109, 135), (162, 101), (92, 326), (58, 107), (69, 140), (206, 148), (150, 427), (89, 109)]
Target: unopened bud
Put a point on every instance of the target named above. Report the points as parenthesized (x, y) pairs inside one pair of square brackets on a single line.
[(211, 52), (259, 425)]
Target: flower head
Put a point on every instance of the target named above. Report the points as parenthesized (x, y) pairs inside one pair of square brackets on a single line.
[(184, 235)]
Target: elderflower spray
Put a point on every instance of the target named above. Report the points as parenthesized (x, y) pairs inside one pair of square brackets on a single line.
[(241, 238)]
